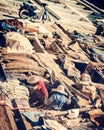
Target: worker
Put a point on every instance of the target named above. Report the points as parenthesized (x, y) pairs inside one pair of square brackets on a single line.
[(58, 99), (39, 93), (89, 88)]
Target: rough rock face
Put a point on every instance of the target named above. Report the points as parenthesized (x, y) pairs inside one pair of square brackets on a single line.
[(16, 42)]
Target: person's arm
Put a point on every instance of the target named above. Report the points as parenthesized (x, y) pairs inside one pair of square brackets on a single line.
[(36, 87), (49, 101)]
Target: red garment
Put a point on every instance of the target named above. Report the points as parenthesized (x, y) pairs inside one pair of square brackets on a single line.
[(41, 90)]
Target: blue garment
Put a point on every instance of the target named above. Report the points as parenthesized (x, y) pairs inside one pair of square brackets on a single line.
[(7, 26), (56, 101)]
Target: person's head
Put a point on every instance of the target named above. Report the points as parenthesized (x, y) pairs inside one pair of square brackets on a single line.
[(33, 80), (85, 80), (60, 89), (85, 77)]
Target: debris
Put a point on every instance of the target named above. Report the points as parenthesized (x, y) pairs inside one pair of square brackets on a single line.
[(52, 72), (16, 91), (52, 124), (34, 117), (97, 116), (16, 42), (7, 119), (10, 25), (70, 113), (88, 88)]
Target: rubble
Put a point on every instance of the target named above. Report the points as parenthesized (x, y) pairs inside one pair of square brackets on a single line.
[(51, 73)]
